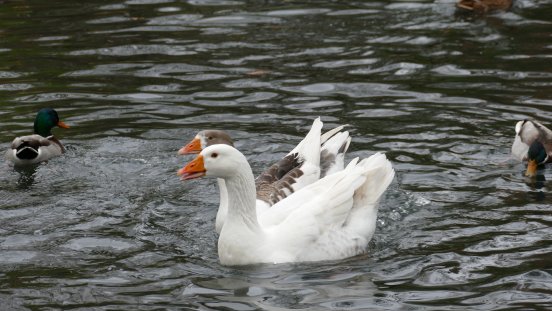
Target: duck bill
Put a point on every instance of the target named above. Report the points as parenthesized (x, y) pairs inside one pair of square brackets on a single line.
[(194, 169), (192, 147), (62, 125), (531, 168)]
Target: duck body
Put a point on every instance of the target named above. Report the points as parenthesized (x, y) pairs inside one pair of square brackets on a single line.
[(532, 143), (315, 156), (40, 146), (484, 6), (33, 149), (330, 219)]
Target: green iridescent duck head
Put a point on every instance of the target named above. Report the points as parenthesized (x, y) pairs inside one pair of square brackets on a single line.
[(535, 156), (45, 120)]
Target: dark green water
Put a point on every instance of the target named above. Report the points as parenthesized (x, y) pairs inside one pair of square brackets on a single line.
[(109, 226)]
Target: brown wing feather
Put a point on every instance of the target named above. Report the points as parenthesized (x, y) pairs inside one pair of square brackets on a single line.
[(33, 141), (280, 175)]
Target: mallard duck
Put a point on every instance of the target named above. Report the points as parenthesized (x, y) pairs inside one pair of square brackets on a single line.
[(40, 146), (330, 219), (305, 164), (484, 6), (533, 142)]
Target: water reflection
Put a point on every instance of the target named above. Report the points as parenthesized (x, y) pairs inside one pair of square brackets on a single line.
[(538, 183), (26, 176)]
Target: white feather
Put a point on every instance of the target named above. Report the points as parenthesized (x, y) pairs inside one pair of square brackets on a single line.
[(333, 146), (330, 219), (308, 151), (46, 151)]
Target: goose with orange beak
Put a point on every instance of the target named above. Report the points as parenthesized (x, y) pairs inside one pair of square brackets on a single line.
[(316, 156), (42, 145), (330, 219), (194, 169), (204, 139)]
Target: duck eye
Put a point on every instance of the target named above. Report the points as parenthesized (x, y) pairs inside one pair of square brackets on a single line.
[(214, 155)]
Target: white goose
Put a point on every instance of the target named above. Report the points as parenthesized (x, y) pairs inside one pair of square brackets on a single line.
[(315, 156), (331, 219)]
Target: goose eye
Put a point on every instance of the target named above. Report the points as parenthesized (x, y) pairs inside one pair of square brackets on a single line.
[(214, 155), (210, 138)]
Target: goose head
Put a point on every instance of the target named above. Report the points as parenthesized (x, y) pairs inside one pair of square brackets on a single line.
[(205, 139), (535, 156), (219, 161), (46, 119)]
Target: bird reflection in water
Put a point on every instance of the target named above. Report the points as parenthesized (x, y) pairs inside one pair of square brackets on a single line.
[(26, 176), (537, 184)]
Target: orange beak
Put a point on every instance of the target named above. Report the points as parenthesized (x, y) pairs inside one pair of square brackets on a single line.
[(192, 170), (531, 168), (62, 125), (192, 147)]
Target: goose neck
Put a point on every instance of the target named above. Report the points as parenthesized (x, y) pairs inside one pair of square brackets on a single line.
[(242, 198)]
